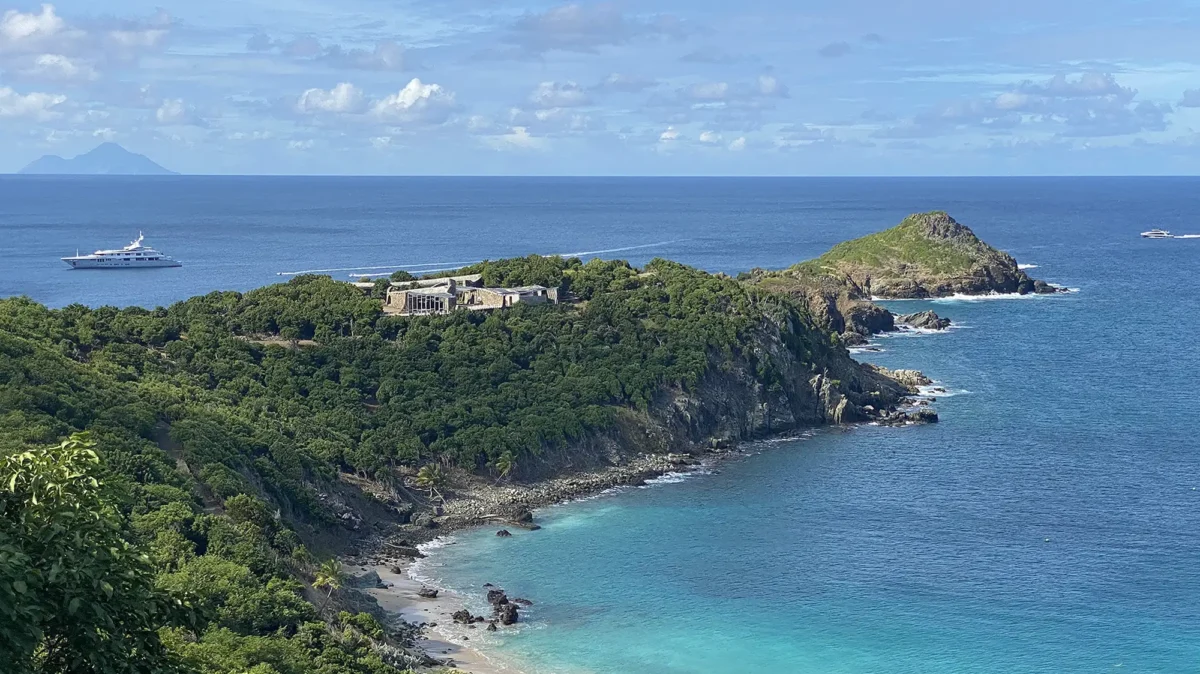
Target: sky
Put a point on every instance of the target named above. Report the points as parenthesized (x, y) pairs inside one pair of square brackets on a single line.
[(651, 87)]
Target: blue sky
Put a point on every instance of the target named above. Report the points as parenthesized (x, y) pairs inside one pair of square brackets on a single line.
[(665, 87)]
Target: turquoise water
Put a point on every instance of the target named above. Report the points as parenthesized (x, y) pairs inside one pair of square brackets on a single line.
[(1050, 524)]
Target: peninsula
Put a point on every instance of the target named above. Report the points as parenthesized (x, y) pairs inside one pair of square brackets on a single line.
[(244, 442)]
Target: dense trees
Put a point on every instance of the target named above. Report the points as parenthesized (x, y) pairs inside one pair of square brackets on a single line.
[(217, 433)]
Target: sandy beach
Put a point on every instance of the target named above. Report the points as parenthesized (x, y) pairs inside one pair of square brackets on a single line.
[(445, 640)]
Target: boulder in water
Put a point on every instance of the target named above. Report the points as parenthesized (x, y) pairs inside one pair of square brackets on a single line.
[(926, 320)]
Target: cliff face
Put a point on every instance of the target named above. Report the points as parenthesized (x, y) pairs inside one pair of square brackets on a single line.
[(770, 388), (926, 255)]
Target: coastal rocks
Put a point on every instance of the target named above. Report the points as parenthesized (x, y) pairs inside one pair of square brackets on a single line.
[(507, 614), (368, 580), (521, 602), (922, 415), (868, 319), (925, 320), (497, 597), (463, 617), (910, 379), (405, 551), (427, 593), (853, 339), (504, 533), (491, 626)]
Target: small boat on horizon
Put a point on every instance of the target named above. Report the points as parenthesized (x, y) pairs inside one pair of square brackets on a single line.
[(1157, 234), (133, 256)]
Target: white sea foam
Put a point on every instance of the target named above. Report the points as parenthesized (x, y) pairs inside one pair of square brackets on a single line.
[(939, 390), (1187, 236), (1027, 266)]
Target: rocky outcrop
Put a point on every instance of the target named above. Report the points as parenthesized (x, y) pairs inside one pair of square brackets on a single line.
[(925, 320), (927, 255)]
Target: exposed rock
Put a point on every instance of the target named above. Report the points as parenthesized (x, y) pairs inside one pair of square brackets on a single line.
[(424, 520), (868, 319), (463, 616), (491, 626), (853, 339), (497, 597), (368, 580), (522, 602), (927, 320), (504, 533), (507, 614), (912, 379), (405, 551), (427, 593), (928, 416)]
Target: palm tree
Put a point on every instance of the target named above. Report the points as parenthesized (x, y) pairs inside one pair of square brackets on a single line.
[(432, 478), (329, 575), (505, 463)]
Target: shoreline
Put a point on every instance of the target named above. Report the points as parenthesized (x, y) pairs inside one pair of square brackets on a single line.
[(461, 646)]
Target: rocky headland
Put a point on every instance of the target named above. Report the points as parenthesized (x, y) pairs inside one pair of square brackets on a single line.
[(793, 373), (928, 255)]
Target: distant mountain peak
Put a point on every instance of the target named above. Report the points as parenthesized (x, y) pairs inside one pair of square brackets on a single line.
[(104, 159)]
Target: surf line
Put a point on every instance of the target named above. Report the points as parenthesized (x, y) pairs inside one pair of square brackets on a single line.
[(446, 266)]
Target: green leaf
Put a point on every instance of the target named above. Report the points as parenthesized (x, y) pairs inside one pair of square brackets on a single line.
[(20, 586)]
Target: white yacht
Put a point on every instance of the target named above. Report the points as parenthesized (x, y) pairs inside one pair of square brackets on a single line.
[(1157, 234), (133, 256)]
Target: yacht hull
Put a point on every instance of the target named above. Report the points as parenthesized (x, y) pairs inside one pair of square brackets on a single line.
[(79, 263)]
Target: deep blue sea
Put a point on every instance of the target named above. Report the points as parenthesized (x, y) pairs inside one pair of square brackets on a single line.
[(1049, 524)]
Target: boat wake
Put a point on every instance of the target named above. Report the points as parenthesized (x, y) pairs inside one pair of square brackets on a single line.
[(431, 267), (1027, 266)]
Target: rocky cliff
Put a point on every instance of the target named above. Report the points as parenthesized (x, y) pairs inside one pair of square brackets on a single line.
[(790, 376)]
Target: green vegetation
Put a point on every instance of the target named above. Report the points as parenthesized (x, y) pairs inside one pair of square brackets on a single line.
[(221, 424), (908, 243)]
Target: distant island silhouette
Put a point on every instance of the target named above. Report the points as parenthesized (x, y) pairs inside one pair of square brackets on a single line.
[(105, 159)]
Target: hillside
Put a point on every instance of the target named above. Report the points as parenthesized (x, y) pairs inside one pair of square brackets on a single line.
[(238, 462), (927, 255), (105, 159)]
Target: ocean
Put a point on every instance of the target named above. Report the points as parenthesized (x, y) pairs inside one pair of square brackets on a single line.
[(1050, 523)]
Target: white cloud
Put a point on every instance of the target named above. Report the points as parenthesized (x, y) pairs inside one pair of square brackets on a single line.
[(738, 145), (668, 136), (629, 84), (38, 106), (1011, 100), (769, 85), (53, 68), (174, 111), (343, 98), (710, 137), (106, 134), (417, 100), (559, 95), (517, 138), (149, 38), (709, 91), (381, 142), (300, 145), (18, 30)]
